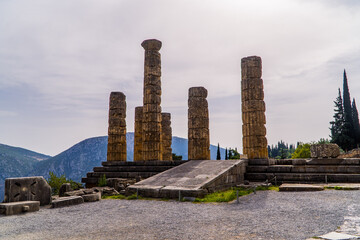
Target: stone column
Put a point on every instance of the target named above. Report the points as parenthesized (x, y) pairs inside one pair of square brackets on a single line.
[(116, 149), (166, 136), (253, 109), (152, 99), (138, 142), (198, 125)]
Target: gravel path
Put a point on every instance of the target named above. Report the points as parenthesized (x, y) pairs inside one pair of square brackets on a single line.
[(265, 215)]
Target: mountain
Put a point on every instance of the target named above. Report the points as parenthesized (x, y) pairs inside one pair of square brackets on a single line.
[(76, 161), (17, 162)]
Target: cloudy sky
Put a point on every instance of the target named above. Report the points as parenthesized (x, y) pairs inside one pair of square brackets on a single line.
[(59, 61)]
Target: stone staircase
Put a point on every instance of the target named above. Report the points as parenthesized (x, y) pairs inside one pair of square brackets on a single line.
[(130, 170), (332, 170)]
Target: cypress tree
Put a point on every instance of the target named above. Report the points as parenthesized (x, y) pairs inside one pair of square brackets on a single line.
[(355, 117), (226, 154), (338, 123), (348, 129), (218, 156)]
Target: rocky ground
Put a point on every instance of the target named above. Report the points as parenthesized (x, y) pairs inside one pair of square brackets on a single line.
[(265, 215)]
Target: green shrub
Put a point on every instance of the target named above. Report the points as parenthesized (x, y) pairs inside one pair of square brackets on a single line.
[(55, 183), (102, 181), (302, 151)]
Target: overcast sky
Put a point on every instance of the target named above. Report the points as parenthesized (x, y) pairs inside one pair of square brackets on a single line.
[(59, 61)]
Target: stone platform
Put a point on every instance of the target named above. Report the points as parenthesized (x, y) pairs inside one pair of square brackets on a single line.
[(129, 170), (325, 170), (193, 179)]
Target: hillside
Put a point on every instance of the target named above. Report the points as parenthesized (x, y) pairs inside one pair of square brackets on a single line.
[(17, 162), (74, 162)]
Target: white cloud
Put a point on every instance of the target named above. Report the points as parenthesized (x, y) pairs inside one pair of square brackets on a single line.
[(65, 57)]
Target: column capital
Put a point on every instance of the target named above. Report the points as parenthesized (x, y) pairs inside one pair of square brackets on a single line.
[(151, 44)]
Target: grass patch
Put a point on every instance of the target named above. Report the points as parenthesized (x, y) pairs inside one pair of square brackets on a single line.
[(230, 195), (121, 197)]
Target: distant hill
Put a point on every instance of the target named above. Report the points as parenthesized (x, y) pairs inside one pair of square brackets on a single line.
[(17, 162), (74, 162)]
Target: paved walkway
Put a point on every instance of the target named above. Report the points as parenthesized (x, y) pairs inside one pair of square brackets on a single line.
[(265, 215)]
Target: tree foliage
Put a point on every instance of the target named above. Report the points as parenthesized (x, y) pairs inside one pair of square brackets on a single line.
[(302, 151), (218, 155), (281, 151), (55, 182), (345, 129), (176, 157)]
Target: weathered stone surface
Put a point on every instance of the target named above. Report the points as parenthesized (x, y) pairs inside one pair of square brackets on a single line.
[(193, 179), (253, 109), (116, 149), (93, 197), (27, 189), (151, 118), (329, 150), (355, 153), (67, 201), (106, 191), (119, 184), (166, 132), (65, 187), (290, 187), (19, 207), (138, 141), (198, 125)]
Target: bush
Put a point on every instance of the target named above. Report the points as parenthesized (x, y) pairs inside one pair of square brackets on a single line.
[(102, 181), (55, 183), (302, 151)]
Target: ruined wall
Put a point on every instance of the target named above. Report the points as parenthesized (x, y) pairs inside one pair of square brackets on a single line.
[(166, 132), (151, 131), (138, 153), (198, 125), (253, 109), (116, 149)]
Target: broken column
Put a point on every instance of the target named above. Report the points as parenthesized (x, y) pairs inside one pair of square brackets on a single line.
[(151, 130), (253, 109), (166, 136), (138, 153), (198, 125), (116, 149)]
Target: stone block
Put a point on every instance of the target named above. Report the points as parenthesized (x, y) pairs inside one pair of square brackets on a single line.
[(27, 189), (13, 208), (65, 187), (198, 92), (151, 44), (67, 201), (93, 197), (329, 150)]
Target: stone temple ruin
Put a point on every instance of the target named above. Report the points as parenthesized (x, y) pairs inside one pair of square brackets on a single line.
[(196, 177)]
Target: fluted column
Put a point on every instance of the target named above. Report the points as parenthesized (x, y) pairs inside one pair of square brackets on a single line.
[(253, 109), (138, 153), (166, 136), (198, 125), (116, 148), (151, 130)]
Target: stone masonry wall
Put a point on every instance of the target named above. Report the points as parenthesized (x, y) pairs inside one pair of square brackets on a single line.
[(198, 125), (253, 109), (151, 131), (166, 135), (116, 149), (138, 153)]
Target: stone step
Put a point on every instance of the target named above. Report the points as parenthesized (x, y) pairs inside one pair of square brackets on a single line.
[(132, 168), (120, 174), (144, 163), (290, 187), (304, 177), (304, 169), (67, 201), (13, 208)]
